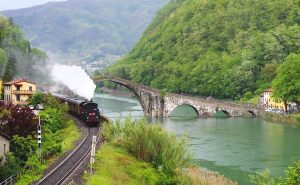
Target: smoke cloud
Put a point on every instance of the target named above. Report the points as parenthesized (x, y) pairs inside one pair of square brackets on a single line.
[(75, 78)]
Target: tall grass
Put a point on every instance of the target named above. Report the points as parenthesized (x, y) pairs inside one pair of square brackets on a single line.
[(202, 177), (149, 143), (288, 118), (298, 117)]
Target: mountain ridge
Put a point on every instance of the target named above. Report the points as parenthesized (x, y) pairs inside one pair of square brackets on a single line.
[(88, 29), (224, 48)]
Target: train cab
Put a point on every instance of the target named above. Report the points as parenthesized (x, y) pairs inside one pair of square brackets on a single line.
[(90, 113)]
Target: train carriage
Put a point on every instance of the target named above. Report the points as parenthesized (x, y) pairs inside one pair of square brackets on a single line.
[(85, 110)]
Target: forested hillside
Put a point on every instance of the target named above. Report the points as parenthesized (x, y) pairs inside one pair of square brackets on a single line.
[(86, 29), (17, 58), (222, 48)]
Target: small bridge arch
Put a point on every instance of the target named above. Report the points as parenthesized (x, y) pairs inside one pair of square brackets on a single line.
[(251, 113), (224, 111), (184, 104)]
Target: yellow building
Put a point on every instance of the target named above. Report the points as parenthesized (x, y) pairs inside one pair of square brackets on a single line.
[(18, 91), (271, 102)]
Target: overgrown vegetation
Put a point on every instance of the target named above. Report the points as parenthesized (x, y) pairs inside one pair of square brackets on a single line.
[(23, 148), (298, 117), (17, 58), (204, 177), (116, 166), (136, 152), (281, 118), (150, 143), (287, 82), (224, 48), (17, 120), (292, 176)]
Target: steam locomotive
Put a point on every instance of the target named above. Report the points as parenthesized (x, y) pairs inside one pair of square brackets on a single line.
[(87, 111)]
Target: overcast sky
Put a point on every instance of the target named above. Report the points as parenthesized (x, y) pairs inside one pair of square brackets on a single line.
[(16, 4)]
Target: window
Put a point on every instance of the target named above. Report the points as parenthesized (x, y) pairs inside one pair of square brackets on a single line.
[(4, 151), (30, 88), (18, 97), (18, 88)]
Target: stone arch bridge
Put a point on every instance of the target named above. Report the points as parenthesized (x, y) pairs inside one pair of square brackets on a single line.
[(156, 105)]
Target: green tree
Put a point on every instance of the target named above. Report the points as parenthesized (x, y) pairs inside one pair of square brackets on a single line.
[(10, 69), (3, 60), (222, 48), (37, 99), (23, 148), (286, 85), (10, 167)]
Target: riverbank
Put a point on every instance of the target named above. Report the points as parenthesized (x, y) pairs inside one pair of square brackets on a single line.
[(235, 147), (139, 153), (281, 118)]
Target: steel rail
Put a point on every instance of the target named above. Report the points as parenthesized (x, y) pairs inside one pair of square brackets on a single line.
[(56, 178)]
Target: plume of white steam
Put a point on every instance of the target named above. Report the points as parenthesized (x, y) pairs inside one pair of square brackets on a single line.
[(75, 78)]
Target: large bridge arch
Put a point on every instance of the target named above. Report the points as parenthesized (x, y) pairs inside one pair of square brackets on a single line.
[(145, 95), (134, 92)]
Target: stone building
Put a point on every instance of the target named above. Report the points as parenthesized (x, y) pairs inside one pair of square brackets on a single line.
[(4, 146)]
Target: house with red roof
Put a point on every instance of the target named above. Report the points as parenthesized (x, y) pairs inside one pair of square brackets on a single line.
[(19, 91)]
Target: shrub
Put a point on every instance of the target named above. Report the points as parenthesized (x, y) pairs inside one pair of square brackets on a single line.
[(10, 167), (22, 148), (18, 121), (149, 143), (292, 176), (36, 99), (298, 117), (163, 92), (53, 119), (247, 96), (264, 178)]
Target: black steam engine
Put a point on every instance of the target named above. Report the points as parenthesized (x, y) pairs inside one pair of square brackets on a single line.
[(87, 111)]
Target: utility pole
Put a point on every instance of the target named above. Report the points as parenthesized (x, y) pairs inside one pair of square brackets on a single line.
[(39, 129), (93, 152)]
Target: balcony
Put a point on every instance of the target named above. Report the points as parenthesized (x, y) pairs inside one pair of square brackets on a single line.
[(23, 92), (21, 103)]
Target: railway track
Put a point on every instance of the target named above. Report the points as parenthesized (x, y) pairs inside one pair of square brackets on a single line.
[(61, 173)]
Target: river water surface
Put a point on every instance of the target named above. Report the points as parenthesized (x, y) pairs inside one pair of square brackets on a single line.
[(235, 147)]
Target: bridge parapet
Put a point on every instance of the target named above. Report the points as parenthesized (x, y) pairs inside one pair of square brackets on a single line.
[(124, 82)]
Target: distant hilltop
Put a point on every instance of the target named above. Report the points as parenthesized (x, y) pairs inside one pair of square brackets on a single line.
[(86, 30)]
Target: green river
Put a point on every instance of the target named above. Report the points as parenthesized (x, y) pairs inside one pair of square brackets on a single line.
[(235, 147)]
